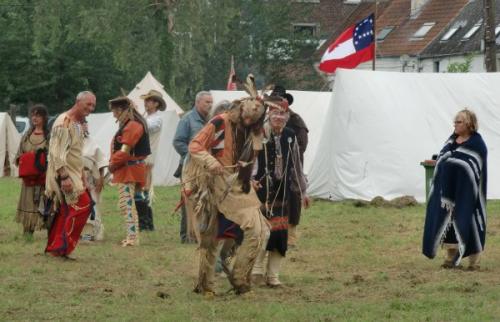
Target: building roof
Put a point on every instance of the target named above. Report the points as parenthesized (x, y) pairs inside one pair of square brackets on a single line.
[(463, 23), (397, 14), (328, 15)]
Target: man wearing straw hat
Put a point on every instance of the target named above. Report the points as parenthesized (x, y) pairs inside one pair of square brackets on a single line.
[(153, 104)]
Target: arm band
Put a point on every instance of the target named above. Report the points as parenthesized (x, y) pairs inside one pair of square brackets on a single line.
[(125, 148)]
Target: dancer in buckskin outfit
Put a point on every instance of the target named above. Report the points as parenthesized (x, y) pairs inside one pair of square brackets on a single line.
[(217, 180)]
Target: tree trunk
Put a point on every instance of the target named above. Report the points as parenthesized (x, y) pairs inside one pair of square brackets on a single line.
[(490, 60)]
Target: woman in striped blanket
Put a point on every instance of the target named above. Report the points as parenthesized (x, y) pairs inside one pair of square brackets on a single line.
[(456, 211)]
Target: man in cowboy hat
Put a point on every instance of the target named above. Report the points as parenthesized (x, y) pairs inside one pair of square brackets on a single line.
[(297, 124), (153, 103)]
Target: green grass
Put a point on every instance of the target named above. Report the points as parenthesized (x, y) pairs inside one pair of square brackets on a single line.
[(356, 264)]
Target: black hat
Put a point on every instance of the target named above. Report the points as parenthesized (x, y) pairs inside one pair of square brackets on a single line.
[(281, 92), (122, 102)]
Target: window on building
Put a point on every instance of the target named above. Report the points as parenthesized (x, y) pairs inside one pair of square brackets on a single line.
[(422, 31), (450, 33), (320, 43), (306, 29), (384, 32), (497, 35), (473, 30), (497, 31)]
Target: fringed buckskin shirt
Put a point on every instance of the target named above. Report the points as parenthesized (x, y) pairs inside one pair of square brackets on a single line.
[(65, 150)]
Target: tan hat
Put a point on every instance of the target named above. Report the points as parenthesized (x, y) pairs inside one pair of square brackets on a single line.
[(152, 94)]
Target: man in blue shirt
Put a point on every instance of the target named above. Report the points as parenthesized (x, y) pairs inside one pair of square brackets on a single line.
[(190, 124)]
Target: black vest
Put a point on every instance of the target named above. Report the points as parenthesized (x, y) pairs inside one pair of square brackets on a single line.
[(141, 148), (287, 140)]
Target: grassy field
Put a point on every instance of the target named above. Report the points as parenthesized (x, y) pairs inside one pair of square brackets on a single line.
[(357, 264)]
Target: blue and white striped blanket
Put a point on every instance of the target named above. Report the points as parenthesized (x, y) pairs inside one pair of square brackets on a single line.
[(458, 198)]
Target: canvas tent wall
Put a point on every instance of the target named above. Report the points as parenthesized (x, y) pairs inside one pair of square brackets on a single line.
[(311, 106), (103, 127), (381, 125), (145, 85), (9, 143)]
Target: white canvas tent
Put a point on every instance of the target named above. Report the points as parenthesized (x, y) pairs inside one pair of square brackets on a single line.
[(382, 125), (145, 85), (9, 143), (311, 106), (103, 127)]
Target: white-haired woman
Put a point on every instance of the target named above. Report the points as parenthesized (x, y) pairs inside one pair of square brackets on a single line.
[(456, 210)]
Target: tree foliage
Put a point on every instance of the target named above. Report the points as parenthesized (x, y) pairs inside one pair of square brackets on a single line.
[(463, 67), (52, 49), (57, 48)]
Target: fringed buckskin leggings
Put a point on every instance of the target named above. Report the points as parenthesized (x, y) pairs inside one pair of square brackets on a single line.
[(127, 207)]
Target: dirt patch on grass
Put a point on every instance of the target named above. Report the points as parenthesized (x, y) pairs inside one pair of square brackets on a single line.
[(399, 202)]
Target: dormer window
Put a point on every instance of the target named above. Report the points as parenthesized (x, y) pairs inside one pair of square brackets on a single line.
[(422, 31), (384, 32), (453, 30), (473, 30), (307, 29)]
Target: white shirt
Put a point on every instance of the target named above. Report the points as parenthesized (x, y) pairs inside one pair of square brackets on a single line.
[(93, 157), (155, 122)]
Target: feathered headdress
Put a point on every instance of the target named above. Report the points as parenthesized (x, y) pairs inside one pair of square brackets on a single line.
[(249, 107)]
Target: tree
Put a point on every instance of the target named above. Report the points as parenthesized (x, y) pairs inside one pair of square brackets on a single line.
[(58, 48), (52, 49), (15, 51), (463, 67), (490, 55)]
